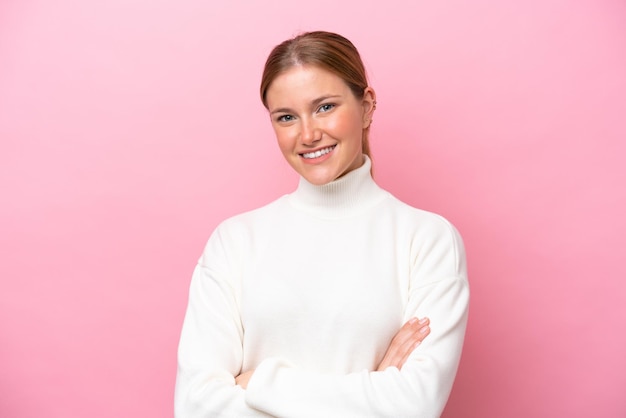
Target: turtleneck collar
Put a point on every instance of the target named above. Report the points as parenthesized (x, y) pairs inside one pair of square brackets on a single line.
[(348, 195)]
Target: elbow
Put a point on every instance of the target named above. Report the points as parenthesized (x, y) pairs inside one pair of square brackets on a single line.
[(423, 389)]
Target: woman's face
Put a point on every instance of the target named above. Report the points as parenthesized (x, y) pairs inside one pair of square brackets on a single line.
[(318, 122)]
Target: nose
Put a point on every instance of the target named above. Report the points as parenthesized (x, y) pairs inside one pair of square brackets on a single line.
[(310, 132)]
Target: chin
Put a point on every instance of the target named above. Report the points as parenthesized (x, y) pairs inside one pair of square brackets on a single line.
[(320, 182), (319, 179)]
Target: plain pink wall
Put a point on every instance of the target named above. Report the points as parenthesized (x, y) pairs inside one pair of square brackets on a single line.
[(130, 128)]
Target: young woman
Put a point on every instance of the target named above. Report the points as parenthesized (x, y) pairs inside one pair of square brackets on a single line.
[(316, 304)]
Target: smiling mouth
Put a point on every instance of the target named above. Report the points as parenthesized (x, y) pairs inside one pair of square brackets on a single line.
[(318, 153)]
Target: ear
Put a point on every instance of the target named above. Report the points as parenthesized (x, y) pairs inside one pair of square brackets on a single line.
[(369, 106)]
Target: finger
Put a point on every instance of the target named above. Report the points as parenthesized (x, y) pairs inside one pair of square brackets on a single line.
[(409, 344), (404, 342), (410, 331), (243, 378), (423, 333)]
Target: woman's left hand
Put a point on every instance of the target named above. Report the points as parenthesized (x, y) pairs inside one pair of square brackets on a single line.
[(242, 379), (405, 341)]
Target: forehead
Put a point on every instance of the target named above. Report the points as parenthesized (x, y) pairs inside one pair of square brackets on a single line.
[(306, 83)]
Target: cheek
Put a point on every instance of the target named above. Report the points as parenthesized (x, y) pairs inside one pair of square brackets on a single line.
[(349, 128), (284, 139)]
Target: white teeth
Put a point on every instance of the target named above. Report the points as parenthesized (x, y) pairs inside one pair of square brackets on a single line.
[(318, 153)]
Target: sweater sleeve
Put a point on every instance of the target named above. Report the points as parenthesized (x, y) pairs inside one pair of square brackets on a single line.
[(438, 289), (210, 347)]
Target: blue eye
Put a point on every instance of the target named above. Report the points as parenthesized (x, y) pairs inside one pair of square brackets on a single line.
[(285, 118), (326, 107)]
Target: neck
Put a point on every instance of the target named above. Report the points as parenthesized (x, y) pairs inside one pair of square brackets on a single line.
[(342, 197)]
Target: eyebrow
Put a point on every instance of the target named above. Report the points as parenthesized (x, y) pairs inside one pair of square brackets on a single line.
[(313, 103)]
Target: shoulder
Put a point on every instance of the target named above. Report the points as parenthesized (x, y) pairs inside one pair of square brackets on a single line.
[(417, 219), (238, 228), (235, 235), (427, 233), (253, 218)]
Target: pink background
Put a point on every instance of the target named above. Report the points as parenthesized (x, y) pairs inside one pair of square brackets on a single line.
[(130, 128)]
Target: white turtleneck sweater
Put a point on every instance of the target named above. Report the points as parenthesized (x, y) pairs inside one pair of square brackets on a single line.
[(308, 291)]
